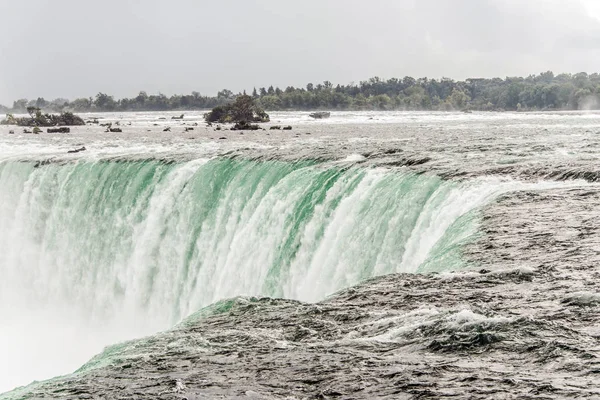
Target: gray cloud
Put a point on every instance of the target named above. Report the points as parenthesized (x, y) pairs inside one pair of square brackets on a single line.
[(74, 48)]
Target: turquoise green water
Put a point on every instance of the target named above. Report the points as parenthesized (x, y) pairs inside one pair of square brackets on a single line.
[(93, 253), (169, 239)]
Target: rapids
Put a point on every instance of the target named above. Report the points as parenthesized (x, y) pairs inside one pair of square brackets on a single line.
[(138, 233)]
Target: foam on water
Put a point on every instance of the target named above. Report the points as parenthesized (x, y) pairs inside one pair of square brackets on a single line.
[(108, 246)]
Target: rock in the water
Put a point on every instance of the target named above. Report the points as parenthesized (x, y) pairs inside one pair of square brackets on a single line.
[(245, 126), (287, 128), (62, 129), (320, 115)]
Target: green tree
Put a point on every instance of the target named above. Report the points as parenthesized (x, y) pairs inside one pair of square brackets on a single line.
[(105, 102), (459, 99), (20, 105), (270, 102)]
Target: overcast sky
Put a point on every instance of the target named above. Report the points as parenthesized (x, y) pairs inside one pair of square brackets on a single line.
[(77, 48)]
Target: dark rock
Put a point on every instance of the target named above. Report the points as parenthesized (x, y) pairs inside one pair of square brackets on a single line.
[(12, 132), (59, 130), (180, 117), (167, 129), (245, 126), (77, 150), (320, 115), (287, 128), (114, 130), (275, 128)]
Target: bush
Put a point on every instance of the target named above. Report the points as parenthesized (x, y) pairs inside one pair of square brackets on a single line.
[(243, 109), (36, 118)]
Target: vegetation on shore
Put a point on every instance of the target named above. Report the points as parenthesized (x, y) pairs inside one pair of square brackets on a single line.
[(545, 91), (37, 118)]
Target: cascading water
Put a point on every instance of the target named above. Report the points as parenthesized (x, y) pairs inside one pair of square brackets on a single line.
[(96, 252)]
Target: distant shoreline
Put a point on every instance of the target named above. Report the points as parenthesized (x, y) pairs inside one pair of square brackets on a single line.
[(334, 112), (543, 92)]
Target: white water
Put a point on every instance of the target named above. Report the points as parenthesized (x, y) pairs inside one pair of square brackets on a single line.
[(92, 253)]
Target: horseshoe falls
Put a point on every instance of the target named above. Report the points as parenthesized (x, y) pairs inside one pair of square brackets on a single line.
[(96, 252)]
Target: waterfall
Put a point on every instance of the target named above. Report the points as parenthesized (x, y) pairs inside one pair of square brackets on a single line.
[(94, 252)]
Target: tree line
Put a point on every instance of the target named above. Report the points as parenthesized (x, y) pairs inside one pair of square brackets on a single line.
[(545, 91)]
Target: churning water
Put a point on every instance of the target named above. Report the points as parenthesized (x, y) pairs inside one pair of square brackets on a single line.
[(111, 245)]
